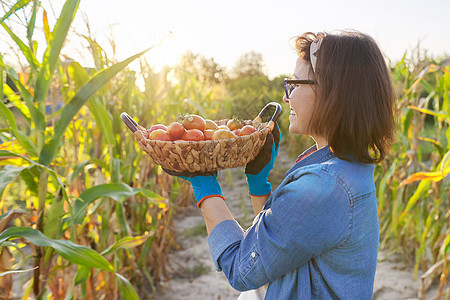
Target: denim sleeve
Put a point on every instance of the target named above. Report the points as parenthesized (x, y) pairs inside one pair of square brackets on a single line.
[(308, 215)]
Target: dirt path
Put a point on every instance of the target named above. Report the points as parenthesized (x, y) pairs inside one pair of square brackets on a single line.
[(194, 276)]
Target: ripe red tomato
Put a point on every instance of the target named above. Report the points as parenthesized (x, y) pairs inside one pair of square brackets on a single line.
[(208, 134), (193, 135), (210, 124), (246, 130), (160, 135), (194, 122), (176, 130), (155, 127)]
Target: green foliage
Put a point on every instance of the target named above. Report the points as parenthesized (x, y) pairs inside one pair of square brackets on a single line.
[(40, 155), (413, 182), (74, 253), (250, 64), (94, 200), (204, 69), (18, 5)]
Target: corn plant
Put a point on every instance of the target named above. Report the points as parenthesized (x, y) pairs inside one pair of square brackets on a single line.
[(413, 184), (32, 153)]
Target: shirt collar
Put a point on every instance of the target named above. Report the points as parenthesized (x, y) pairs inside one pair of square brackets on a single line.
[(312, 156)]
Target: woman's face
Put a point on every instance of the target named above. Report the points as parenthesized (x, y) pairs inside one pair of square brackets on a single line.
[(302, 100)]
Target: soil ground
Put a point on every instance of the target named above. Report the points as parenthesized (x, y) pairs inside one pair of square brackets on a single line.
[(193, 275)]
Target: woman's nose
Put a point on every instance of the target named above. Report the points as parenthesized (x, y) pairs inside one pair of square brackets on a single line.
[(286, 100)]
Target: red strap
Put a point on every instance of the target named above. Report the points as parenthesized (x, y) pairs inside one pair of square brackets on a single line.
[(261, 195), (209, 196), (304, 156)]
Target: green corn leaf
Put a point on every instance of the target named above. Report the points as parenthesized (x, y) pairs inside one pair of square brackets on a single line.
[(115, 169), (22, 138), (54, 176), (70, 109), (424, 185), (122, 220), (445, 88), (116, 191), (26, 51), (74, 253), (445, 164), (17, 102), (144, 252), (445, 249), (25, 142), (103, 120), (438, 114), (383, 184), (37, 116), (31, 24), (53, 220), (126, 243), (78, 74), (435, 144), (152, 195), (428, 69), (19, 4), (9, 154), (406, 122), (51, 54), (447, 134), (2, 67), (83, 274), (126, 289), (97, 52), (77, 170), (30, 179), (100, 163), (423, 244), (7, 175)]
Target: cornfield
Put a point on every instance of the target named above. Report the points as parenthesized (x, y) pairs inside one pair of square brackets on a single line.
[(413, 182), (85, 214)]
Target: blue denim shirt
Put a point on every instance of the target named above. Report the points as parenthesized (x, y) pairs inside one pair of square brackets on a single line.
[(315, 238)]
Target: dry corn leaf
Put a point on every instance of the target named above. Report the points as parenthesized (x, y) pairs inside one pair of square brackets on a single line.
[(431, 176)]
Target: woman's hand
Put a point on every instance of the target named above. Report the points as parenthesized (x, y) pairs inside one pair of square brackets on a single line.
[(205, 185), (257, 171)]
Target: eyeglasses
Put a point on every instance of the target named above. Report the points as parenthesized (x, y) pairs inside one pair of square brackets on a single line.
[(289, 85)]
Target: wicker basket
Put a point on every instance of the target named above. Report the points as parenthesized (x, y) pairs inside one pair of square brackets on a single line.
[(209, 155)]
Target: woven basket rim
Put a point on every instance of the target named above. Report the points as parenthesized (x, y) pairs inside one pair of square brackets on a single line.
[(262, 125), (205, 155)]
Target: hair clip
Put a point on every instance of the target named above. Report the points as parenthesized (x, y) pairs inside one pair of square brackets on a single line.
[(314, 48)]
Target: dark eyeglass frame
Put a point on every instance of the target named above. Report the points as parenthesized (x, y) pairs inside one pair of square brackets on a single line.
[(291, 83)]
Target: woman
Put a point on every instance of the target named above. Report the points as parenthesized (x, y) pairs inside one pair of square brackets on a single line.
[(316, 235)]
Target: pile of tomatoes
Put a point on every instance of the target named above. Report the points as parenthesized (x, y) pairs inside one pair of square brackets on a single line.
[(195, 128)]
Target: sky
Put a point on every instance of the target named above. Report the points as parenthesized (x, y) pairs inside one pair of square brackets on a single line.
[(225, 30)]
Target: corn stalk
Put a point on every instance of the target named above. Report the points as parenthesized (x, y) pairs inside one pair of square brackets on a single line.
[(33, 151)]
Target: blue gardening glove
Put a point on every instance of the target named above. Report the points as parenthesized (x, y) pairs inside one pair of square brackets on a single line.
[(205, 185), (257, 171)]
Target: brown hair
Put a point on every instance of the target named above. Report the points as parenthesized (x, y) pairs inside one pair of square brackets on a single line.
[(354, 106)]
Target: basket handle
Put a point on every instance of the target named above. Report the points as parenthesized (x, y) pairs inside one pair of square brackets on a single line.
[(275, 115), (129, 122)]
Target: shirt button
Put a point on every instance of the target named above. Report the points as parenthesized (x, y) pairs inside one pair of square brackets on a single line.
[(253, 254)]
